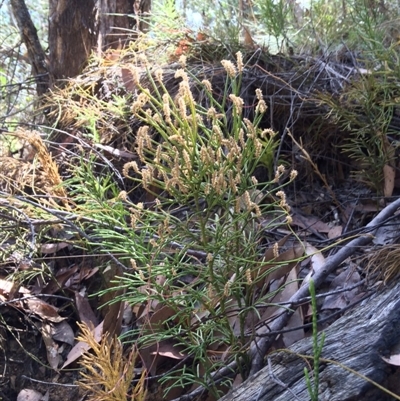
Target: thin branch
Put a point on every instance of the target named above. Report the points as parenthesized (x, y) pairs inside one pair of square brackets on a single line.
[(31, 40)]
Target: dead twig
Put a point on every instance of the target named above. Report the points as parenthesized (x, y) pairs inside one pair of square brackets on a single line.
[(260, 345), (259, 348)]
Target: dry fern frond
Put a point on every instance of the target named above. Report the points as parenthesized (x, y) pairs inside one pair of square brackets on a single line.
[(106, 373)]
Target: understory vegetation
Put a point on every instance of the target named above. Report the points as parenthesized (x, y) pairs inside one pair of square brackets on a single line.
[(164, 208), (194, 253)]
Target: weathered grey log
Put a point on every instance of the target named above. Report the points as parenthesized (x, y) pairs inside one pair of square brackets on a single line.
[(356, 340)]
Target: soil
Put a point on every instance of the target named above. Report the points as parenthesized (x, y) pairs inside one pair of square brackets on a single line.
[(24, 365)]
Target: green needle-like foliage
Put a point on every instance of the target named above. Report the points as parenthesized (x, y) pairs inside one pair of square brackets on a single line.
[(193, 251)]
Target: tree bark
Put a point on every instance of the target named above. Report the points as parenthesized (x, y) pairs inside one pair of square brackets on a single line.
[(72, 35), (76, 28), (357, 340), (142, 12), (31, 40), (116, 23)]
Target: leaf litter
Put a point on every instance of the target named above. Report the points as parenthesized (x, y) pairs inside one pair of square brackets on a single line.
[(65, 301)]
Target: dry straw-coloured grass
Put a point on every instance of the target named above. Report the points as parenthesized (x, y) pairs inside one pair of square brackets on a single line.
[(383, 264)]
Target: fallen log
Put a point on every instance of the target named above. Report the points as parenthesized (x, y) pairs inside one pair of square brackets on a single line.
[(356, 341)]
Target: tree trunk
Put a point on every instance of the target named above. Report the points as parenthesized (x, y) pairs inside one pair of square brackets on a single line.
[(72, 35), (357, 340), (142, 14), (77, 27), (116, 23)]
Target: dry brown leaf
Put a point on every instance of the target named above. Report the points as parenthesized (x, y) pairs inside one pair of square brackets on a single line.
[(43, 309), (53, 356), (127, 79), (140, 311), (367, 206), (297, 319), (269, 256), (310, 222), (169, 350), (284, 295), (340, 300), (85, 311), (247, 39), (269, 253), (86, 272), (143, 311), (8, 289), (150, 355), (280, 269), (335, 231), (150, 358), (57, 283), (238, 380), (389, 175), (53, 248), (62, 332), (273, 310), (156, 321), (81, 347), (113, 318), (114, 307), (252, 319)]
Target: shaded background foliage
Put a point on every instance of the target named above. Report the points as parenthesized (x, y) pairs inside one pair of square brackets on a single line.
[(314, 27)]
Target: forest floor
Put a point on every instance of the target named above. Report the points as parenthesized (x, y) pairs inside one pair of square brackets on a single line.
[(25, 356)]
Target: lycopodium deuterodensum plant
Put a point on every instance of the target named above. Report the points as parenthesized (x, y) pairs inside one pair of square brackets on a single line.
[(313, 385), (193, 250)]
